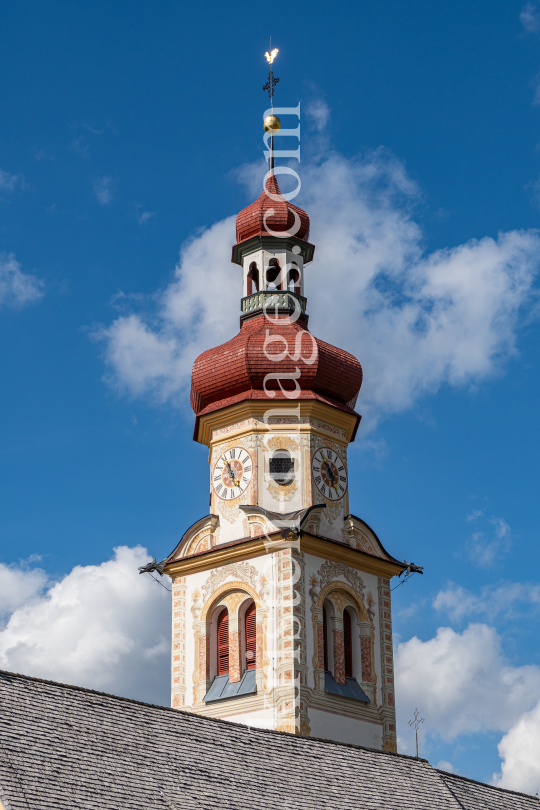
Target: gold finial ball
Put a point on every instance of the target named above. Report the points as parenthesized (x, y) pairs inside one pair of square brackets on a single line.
[(271, 123)]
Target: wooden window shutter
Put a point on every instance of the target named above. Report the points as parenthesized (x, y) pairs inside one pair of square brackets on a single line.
[(325, 640), (223, 642), (347, 643), (251, 637)]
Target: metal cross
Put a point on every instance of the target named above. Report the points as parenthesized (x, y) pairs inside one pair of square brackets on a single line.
[(270, 55), (415, 723)]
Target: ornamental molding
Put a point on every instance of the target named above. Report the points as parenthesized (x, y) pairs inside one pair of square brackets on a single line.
[(282, 443), (239, 570), (330, 570)]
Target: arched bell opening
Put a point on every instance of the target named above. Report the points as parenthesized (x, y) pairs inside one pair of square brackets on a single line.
[(293, 280), (253, 279), (273, 275)]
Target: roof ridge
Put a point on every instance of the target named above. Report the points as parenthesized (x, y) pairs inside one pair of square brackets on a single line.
[(185, 713), (485, 784)]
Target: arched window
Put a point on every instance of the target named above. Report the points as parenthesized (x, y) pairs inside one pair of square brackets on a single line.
[(347, 643), (293, 280), (223, 643), (325, 639), (253, 279), (251, 637), (273, 275)]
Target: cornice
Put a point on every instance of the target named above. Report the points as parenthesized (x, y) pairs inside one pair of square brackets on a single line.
[(257, 408), (259, 546), (354, 557), (272, 244)]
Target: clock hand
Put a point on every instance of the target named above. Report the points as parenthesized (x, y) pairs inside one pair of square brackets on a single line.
[(232, 474), (329, 471)]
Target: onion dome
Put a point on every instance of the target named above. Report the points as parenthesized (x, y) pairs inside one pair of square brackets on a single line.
[(236, 370), (251, 221)]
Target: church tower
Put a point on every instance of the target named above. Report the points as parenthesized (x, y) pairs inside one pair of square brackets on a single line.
[(281, 596)]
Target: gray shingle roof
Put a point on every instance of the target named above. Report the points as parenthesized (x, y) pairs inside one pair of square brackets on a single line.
[(66, 748)]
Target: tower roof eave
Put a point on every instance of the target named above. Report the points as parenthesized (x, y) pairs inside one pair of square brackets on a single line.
[(271, 243), (261, 397)]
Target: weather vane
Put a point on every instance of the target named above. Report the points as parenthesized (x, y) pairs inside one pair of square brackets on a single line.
[(270, 55), (271, 123), (415, 723)]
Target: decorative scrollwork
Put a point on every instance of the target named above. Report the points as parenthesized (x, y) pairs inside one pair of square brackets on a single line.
[(241, 570), (330, 570)]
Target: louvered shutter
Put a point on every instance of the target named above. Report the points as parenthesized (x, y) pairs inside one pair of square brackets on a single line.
[(223, 642), (251, 637), (347, 643), (325, 640)]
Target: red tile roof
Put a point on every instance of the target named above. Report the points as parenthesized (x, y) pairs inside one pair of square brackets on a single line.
[(251, 221), (243, 367)]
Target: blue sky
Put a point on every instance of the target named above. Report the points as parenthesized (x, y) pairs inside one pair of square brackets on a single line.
[(131, 132)]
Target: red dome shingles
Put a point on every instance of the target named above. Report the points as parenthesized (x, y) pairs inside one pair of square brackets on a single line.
[(238, 368), (250, 221)]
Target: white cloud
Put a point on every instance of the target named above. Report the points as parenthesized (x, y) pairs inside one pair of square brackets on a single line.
[(444, 765), (103, 189), (530, 18), (519, 749), (80, 147), (101, 626), (415, 321), (8, 181), (198, 309), (318, 112), (484, 551), (17, 288), (508, 600), (462, 683), (144, 216), (19, 585)]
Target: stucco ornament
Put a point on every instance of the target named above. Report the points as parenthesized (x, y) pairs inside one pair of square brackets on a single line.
[(264, 592), (330, 570), (197, 605), (240, 571), (229, 509), (313, 592), (370, 608)]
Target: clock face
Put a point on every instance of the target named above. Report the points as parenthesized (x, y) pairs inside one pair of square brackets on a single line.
[(329, 474), (232, 473)]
